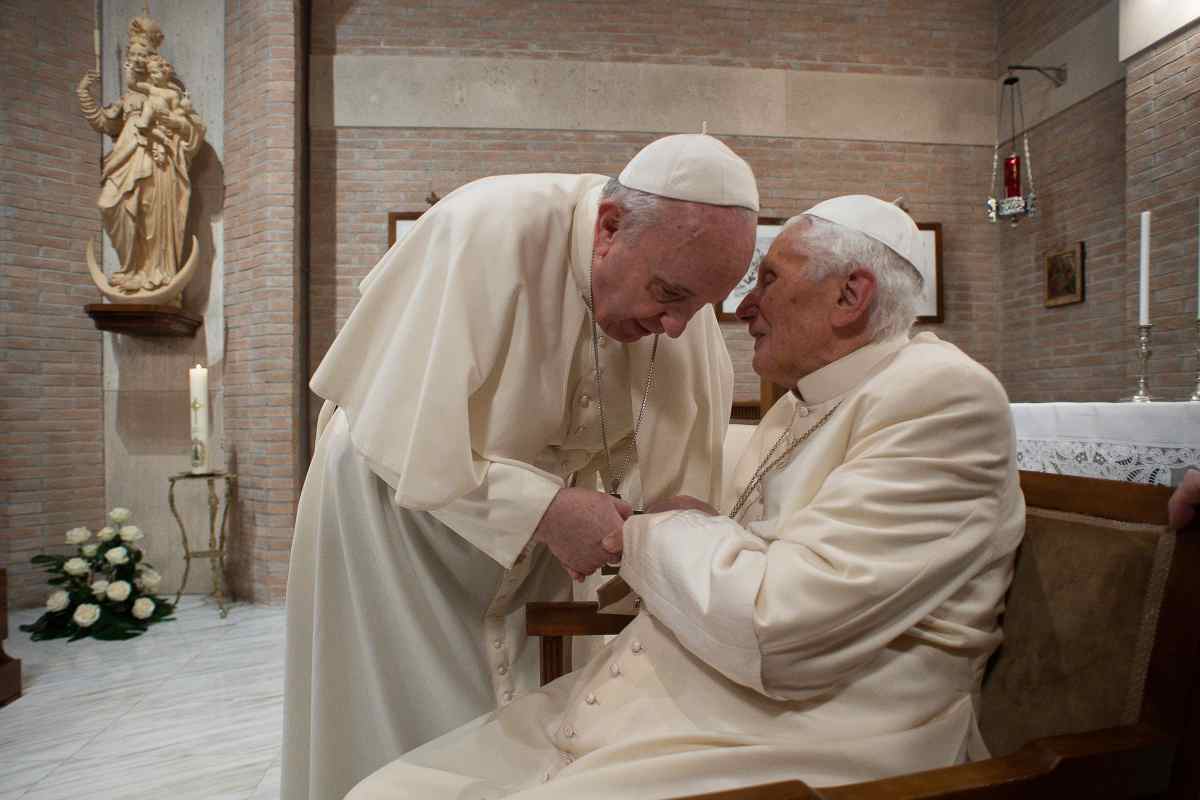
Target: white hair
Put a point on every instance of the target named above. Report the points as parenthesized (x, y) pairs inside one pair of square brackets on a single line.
[(898, 285), (642, 209)]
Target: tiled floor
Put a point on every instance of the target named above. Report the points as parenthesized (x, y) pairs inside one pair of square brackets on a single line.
[(191, 709)]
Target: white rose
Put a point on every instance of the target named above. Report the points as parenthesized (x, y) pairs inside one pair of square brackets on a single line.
[(57, 601), (143, 607), (131, 533), (86, 615), (105, 534), (100, 588), (78, 535), (89, 550), (118, 591), (117, 556), (75, 566), (149, 579), (120, 515)]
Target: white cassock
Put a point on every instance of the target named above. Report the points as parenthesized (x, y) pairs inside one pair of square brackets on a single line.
[(461, 397), (837, 634)]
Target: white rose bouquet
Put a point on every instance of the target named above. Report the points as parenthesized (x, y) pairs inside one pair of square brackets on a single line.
[(104, 590)]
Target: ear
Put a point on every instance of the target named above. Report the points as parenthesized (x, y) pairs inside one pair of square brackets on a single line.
[(854, 299), (608, 222)]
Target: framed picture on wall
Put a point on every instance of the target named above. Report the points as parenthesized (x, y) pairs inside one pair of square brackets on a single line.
[(1064, 277), (768, 229), (398, 224), (929, 309)]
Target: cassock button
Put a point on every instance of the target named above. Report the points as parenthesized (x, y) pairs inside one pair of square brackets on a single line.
[(585, 401), (614, 669), (546, 778), (568, 732), (636, 647), (502, 669), (498, 643), (508, 696), (602, 341), (590, 699), (802, 411)]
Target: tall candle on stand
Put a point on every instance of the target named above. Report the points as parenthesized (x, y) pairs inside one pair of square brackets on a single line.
[(198, 386), (1144, 272)]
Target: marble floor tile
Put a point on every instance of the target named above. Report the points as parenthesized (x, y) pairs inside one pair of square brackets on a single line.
[(191, 709), (17, 775)]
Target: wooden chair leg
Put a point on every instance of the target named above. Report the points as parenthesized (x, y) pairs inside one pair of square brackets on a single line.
[(556, 657)]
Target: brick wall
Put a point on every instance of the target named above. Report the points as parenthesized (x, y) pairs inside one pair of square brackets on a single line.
[(1074, 352), (263, 309), (51, 412), (360, 174), (1162, 163), (920, 37), (1026, 26)]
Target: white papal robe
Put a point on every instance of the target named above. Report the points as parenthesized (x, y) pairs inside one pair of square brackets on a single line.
[(836, 633), (461, 397)]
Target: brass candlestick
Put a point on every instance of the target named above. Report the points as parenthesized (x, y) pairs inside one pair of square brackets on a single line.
[(1142, 395), (1195, 398)]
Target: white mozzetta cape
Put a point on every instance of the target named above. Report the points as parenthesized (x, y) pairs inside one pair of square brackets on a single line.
[(838, 637)]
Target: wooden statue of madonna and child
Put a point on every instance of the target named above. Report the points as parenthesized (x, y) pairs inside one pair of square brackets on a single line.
[(145, 184)]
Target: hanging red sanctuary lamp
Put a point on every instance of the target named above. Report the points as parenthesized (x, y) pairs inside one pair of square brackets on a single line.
[(1018, 198)]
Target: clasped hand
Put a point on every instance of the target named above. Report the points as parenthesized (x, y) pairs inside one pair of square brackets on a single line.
[(582, 528)]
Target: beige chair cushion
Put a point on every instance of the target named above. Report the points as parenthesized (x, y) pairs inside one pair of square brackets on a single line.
[(1078, 628)]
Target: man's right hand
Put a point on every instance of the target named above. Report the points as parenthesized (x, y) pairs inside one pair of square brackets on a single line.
[(575, 525)]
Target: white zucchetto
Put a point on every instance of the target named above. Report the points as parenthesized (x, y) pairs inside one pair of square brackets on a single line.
[(884, 222), (694, 167)]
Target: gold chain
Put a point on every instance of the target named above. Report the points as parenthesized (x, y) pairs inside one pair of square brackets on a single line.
[(767, 465), (614, 479)]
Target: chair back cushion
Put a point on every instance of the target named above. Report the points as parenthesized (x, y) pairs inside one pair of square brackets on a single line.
[(1078, 629)]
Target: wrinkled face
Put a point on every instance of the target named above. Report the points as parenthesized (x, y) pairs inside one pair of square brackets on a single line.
[(790, 316), (655, 280)]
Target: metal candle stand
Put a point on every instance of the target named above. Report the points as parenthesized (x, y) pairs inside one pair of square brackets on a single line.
[(1142, 395), (216, 535)]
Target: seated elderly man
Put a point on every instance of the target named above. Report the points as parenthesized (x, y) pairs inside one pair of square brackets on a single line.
[(835, 624)]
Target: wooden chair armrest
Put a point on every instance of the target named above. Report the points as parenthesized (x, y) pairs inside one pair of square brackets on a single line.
[(557, 622), (572, 619), (1130, 761)]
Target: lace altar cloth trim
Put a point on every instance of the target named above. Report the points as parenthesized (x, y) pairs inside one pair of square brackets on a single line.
[(1117, 461)]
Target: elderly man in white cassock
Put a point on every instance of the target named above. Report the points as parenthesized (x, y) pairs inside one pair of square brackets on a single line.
[(474, 405), (833, 625)]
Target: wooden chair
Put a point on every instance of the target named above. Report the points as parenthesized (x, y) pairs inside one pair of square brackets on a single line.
[(10, 668), (1095, 692)]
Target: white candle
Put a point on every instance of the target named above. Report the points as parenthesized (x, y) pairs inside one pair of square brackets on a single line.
[(1144, 272), (198, 406)]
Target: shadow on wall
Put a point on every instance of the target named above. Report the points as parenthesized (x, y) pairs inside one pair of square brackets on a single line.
[(151, 418)]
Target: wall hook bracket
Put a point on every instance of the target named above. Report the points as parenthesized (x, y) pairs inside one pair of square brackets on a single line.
[(1056, 75)]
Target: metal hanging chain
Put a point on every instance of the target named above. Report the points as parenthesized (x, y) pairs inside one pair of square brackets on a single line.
[(614, 479), (1025, 130), (767, 464)]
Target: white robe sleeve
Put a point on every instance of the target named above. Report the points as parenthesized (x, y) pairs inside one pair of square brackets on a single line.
[(904, 522), (499, 517)]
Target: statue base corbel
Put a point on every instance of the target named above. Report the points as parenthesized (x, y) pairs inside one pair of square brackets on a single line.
[(150, 313), (142, 319)]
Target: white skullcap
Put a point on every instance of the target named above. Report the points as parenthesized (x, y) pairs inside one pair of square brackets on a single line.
[(884, 222), (694, 167)]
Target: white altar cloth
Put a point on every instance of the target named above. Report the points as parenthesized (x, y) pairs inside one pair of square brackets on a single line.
[(1134, 442)]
